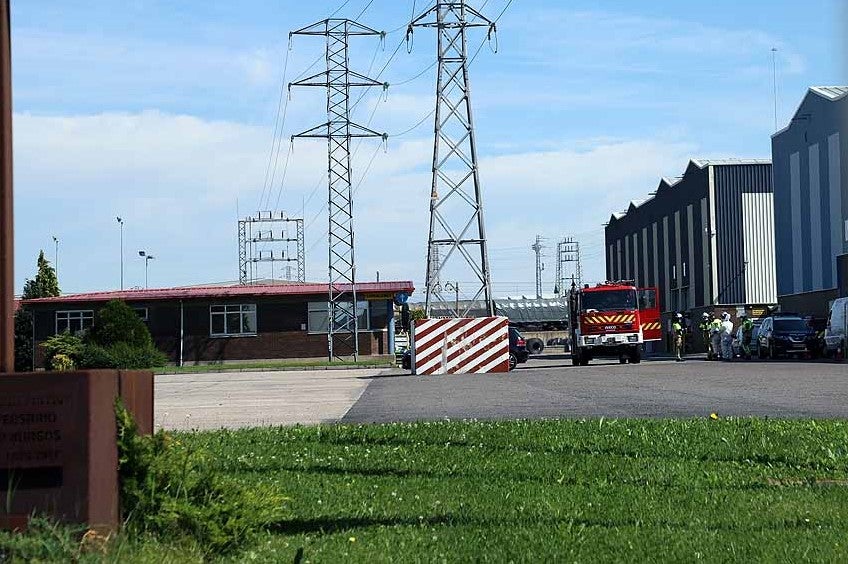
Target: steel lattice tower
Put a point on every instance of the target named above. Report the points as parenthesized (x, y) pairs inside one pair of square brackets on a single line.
[(568, 250), (338, 79), (456, 203), (251, 235)]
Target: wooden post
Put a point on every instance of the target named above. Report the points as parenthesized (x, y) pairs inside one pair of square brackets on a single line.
[(7, 255)]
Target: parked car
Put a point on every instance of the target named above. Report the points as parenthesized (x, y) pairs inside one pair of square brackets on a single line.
[(737, 340), (786, 334), (518, 353), (836, 333)]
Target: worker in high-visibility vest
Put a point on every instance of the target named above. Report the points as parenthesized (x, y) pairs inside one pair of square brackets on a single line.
[(747, 335), (679, 334), (704, 327)]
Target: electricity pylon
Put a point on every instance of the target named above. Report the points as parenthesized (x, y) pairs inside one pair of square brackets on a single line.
[(456, 201), (338, 79)]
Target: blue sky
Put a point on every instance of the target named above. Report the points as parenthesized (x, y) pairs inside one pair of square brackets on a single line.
[(163, 113)]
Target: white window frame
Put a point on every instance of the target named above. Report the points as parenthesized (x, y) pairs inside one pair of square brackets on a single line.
[(321, 307), (229, 309), (144, 310), (80, 315)]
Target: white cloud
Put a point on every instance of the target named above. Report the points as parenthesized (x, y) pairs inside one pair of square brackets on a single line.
[(175, 180)]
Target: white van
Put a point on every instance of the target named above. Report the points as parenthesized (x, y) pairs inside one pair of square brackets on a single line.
[(836, 334)]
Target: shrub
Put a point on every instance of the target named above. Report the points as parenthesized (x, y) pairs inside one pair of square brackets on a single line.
[(116, 323), (121, 355), (173, 491), (65, 344), (61, 362), (95, 356)]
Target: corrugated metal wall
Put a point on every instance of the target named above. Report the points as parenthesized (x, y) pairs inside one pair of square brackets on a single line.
[(811, 196), (731, 182), (760, 274)]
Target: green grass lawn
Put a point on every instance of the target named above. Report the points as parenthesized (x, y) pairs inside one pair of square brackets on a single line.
[(598, 490), (380, 362)]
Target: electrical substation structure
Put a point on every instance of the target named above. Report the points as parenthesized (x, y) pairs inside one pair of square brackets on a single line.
[(456, 203), (273, 229), (338, 130), (568, 251)]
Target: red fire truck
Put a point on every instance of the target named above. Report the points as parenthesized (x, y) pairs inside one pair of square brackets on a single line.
[(613, 319)]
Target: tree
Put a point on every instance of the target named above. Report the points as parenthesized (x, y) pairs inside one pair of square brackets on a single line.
[(119, 323), (45, 284)]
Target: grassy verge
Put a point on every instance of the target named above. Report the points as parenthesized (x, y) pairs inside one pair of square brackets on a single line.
[(272, 365), (597, 490)]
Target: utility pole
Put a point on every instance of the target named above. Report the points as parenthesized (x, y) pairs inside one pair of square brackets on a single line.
[(537, 248), (774, 82), (338, 79), (121, 225), (456, 199), (56, 256)]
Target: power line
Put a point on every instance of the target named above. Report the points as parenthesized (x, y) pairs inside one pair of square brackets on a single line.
[(339, 9), (365, 9), (276, 124)]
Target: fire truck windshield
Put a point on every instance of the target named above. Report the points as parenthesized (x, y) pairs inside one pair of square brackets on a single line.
[(611, 300)]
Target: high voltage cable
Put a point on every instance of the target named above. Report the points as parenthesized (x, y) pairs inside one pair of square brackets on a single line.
[(504, 10), (365, 9), (339, 9), (276, 123)]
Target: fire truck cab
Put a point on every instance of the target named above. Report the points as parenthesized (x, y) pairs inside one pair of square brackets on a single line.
[(612, 319)]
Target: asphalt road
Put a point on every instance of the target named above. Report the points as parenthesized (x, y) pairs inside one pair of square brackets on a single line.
[(549, 386)]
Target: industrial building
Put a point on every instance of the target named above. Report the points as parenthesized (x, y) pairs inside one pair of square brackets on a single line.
[(231, 323), (703, 240), (811, 202)]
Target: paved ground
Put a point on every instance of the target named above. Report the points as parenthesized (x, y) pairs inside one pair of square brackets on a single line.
[(551, 387), (544, 387), (243, 399)]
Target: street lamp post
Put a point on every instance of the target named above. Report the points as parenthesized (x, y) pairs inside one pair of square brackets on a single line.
[(147, 258), (56, 256), (121, 224)]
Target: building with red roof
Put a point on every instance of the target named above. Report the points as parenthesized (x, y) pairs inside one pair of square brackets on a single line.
[(215, 323)]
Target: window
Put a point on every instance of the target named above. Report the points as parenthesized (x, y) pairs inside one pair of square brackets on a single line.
[(74, 321), (317, 317), (142, 313), (609, 300), (232, 320)]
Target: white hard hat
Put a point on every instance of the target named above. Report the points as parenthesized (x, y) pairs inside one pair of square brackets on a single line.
[(725, 316)]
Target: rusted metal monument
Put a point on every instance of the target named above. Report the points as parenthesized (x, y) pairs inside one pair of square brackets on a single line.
[(58, 449)]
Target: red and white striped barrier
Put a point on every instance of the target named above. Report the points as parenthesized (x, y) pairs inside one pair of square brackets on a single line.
[(461, 346)]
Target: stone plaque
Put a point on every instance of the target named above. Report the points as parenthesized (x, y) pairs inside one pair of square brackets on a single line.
[(58, 453)]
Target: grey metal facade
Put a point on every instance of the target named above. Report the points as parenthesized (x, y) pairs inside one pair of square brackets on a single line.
[(702, 240), (810, 158)]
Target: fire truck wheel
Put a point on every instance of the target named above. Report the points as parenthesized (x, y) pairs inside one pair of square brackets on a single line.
[(635, 356)]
